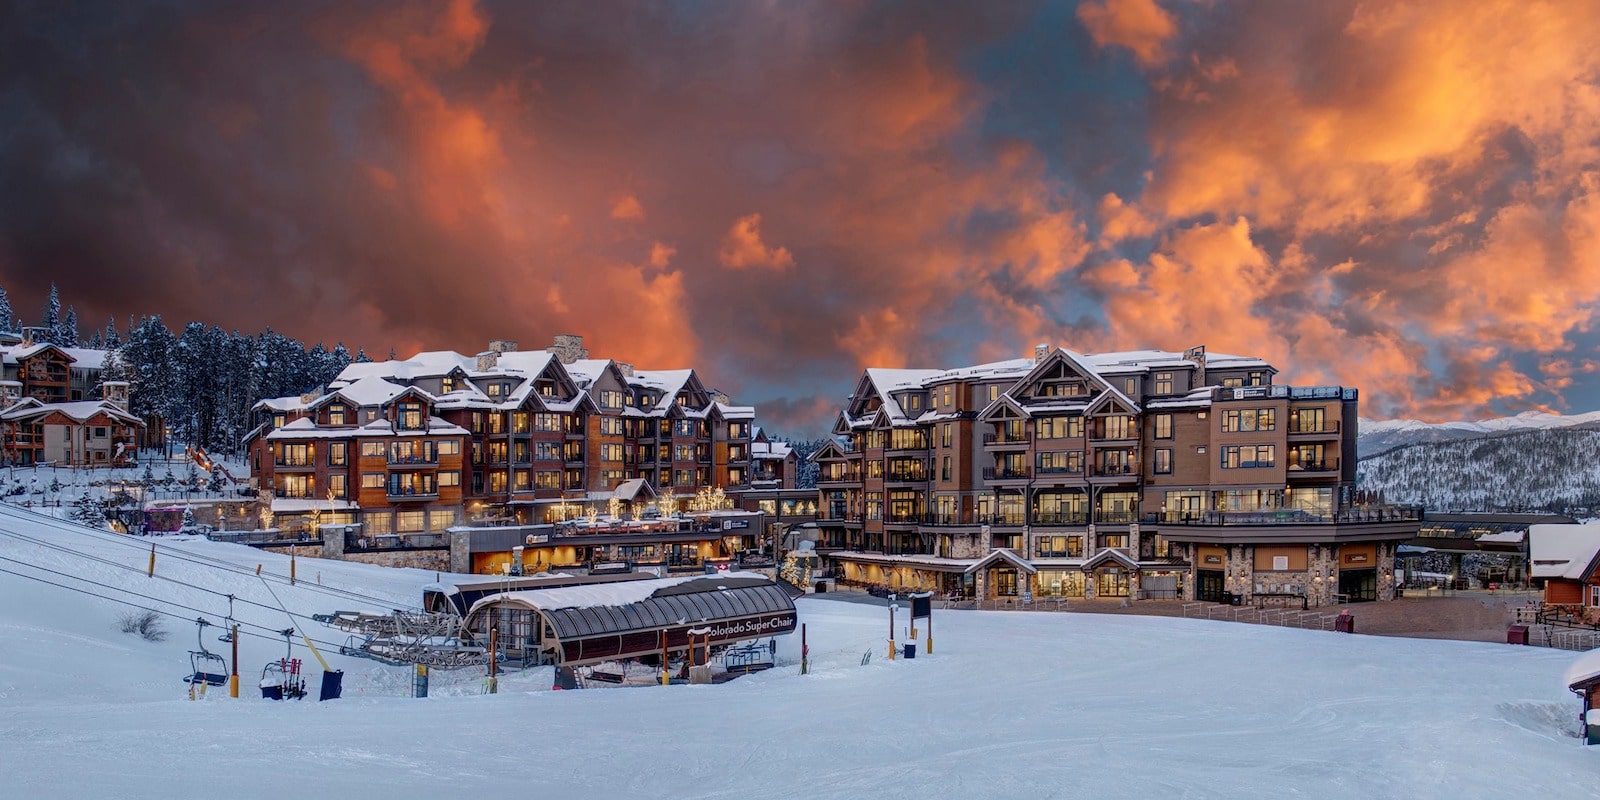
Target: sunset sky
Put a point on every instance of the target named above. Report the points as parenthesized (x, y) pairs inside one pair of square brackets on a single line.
[(1402, 197)]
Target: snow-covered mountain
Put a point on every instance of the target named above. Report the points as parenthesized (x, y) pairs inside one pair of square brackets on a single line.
[(1378, 436), (1554, 469)]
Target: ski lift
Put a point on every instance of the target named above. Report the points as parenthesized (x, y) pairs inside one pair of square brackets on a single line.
[(281, 679), (206, 668)]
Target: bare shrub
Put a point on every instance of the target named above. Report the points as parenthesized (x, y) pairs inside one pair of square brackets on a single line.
[(145, 623)]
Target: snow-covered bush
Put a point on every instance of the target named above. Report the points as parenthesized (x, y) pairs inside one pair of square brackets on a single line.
[(145, 623)]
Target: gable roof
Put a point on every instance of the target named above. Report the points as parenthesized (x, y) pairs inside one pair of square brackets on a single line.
[(1002, 555), (1110, 554), (1567, 552)]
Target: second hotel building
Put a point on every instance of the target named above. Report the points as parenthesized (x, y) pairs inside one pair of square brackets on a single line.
[(1143, 474)]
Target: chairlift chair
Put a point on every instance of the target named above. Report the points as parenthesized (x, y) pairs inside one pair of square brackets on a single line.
[(205, 667), (281, 679)]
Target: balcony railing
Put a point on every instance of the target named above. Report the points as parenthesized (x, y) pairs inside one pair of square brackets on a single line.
[(294, 463), (1289, 516), (1055, 470), (1005, 473), (1326, 465), (1115, 517), (416, 460), (1060, 517), (1004, 438), (1115, 470), (403, 494), (1325, 426)]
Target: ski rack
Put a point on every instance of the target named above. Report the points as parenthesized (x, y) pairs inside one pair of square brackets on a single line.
[(400, 638)]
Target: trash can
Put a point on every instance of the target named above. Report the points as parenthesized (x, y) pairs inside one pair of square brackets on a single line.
[(911, 650), (1517, 634)]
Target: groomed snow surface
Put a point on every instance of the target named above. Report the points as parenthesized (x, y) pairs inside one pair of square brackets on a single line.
[(1010, 705)]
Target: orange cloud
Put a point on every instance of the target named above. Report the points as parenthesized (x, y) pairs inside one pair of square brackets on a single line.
[(1142, 26), (627, 207), (742, 247)]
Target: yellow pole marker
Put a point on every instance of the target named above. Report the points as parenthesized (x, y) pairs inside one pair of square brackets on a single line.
[(152, 571)]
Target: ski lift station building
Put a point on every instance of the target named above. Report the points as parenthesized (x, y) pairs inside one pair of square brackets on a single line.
[(580, 625)]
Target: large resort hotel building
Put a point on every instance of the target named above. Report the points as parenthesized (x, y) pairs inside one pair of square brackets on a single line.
[(442, 439), (1141, 474)]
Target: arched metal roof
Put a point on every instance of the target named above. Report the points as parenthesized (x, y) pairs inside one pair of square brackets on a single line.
[(588, 624)]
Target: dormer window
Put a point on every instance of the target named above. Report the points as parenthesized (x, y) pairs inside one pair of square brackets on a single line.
[(336, 415), (1163, 383), (494, 391), (547, 390), (447, 385), (411, 417), (611, 398), (278, 420), (914, 402)]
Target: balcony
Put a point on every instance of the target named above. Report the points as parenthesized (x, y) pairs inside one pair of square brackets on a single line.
[(1288, 516), (842, 477), (294, 464), (1301, 469), (1006, 473), (1060, 517), (1115, 473), (398, 461), (1313, 429), (397, 494), (1115, 517), (1004, 441), (906, 476)]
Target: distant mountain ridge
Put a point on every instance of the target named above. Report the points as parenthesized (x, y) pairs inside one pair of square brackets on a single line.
[(1377, 436), (1529, 462)]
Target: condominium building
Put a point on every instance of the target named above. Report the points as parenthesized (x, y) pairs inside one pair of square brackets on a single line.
[(50, 412), (420, 445), (1138, 474)]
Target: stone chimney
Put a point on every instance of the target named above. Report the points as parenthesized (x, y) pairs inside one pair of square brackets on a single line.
[(719, 397), (489, 359), (115, 393), (625, 368), (312, 396), (502, 346), (10, 393), (1041, 351), (569, 348)]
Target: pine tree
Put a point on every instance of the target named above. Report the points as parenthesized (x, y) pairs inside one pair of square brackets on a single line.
[(69, 328), (362, 357), (52, 317), (95, 343), (111, 340), (8, 320)]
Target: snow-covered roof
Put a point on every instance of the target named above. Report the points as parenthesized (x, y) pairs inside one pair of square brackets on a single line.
[(369, 391), (770, 451), (303, 505), (668, 381), (1562, 551), (599, 595), (292, 403), (1132, 361), (80, 411), (736, 412), (1583, 669)]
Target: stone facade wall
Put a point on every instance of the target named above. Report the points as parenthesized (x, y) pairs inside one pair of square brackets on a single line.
[(436, 560)]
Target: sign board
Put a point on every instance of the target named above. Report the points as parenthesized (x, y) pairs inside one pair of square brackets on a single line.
[(734, 524), (922, 605)]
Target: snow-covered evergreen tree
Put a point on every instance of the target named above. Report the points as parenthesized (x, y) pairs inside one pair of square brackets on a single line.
[(69, 328), (362, 357), (52, 317), (110, 340), (8, 319), (89, 511)]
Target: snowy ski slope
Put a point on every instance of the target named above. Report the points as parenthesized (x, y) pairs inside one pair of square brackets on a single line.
[(1010, 705)]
